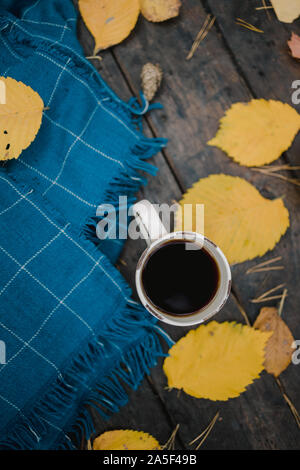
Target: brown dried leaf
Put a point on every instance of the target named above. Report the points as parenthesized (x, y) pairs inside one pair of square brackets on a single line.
[(294, 45), (278, 351)]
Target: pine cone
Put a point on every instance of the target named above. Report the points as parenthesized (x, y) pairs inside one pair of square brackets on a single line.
[(151, 79)]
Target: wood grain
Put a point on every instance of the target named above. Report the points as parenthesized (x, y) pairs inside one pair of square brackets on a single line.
[(232, 64)]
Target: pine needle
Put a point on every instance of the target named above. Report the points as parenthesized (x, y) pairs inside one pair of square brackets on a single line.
[(89, 445), (289, 402), (205, 433), (271, 171), (275, 175), (266, 8), (283, 297), (198, 38), (208, 28), (170, 444), (271, 291), (243, 312), (247, 25), (264, 297), (265, 266), (252, 28), (208, 23), (272, 168), (97, 57)]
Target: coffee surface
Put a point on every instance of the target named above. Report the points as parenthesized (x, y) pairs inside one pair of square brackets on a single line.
[(180, 281)]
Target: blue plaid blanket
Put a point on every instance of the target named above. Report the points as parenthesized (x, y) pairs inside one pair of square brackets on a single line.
[(69, 326)]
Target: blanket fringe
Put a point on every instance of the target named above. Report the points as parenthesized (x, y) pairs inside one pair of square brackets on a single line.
[(128, 182), (108, 393), (71, 391)]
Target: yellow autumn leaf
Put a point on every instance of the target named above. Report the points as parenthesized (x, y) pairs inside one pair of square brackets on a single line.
[(237, 218), (109, 21), (160, 10), (279, 346), (20, 117), (258, 132), (286, 10), (216, 361), (125, 440)]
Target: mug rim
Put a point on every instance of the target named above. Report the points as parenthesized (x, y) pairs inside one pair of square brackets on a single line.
[(215, 304)]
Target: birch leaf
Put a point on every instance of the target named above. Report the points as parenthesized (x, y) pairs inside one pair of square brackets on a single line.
[(279, 346), (125, 440), (258, 132), (20, 117), (216, 361), (109, 21), (286, 10), (237, 218), (294, 45), (160, 10)]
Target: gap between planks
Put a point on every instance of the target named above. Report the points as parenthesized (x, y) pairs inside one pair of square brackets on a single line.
[(170, 419), (165, 153)]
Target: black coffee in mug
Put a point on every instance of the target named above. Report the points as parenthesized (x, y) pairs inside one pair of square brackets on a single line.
[(180, 281)]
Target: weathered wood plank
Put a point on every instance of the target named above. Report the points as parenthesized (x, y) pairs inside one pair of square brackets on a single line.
[(162, 188), (136, 415), (269, 70), (258, 419), (197, 119), (264, 59), (143, 412), (195, 95)]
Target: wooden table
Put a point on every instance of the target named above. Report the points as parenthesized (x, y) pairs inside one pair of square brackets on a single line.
[(232, 64)]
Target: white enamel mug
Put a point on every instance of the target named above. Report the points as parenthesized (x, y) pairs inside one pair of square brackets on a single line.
[(156, 236)]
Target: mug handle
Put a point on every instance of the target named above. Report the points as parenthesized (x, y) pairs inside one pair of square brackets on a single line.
[(148, 221)]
